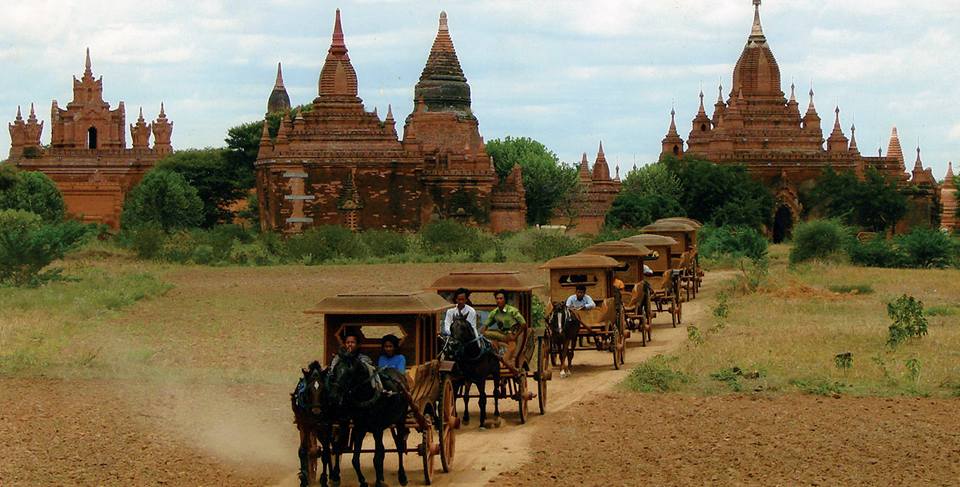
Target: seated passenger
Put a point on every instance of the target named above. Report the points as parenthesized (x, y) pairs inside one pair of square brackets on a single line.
[(351, 346), (389, 358), (580, 300), (502, 325), (462, 310)]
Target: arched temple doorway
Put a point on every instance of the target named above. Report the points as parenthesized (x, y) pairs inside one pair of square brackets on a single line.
[(92, 138), (782, 224)]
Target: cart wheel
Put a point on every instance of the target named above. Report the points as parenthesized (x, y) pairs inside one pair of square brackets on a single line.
[(679, 313), (623, 348), (615, 348), (675, 311), (541, 376), (447, 425), (426, 452), (523, 402)]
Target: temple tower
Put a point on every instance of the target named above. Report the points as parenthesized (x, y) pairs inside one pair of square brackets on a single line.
[(279, 101)]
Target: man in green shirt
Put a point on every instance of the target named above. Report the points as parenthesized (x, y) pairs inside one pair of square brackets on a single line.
[(502, 325)]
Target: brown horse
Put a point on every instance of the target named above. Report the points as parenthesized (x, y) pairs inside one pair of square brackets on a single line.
[(311, 414), (564, 329)]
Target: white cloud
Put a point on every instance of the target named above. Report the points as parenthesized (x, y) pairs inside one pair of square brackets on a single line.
[(955, 132)]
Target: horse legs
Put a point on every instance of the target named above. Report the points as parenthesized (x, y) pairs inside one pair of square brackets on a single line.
[(483, 402), (466, 399), (324, 451), (400, 433), (379, 453), (358, 435), (304, 453)]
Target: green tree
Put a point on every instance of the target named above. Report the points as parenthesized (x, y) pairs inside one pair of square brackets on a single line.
[(721, 194), (165, 199), (210, 173), (243, 143), (28, 245), (546, 181), (30, 191), (873, 203), (653, 179), (634, 209)]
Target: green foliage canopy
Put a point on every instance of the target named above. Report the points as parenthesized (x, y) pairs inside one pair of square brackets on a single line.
[(30, 191), (28, 245), (873, 203), (210, 173), (547, 182), (164, 199), (721, 194)]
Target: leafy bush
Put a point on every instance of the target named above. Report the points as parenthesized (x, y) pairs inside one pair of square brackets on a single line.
[(449, 237), (165, 199), (145, 240), (549, 185), (252, 254), (634, 210), (30, 191), (818, 239), (209, 172), (851, 288), (326, 242), (872, 202), (28, 245), (655, 375), (721, 194), (819, 387), (733, 241), (925, 247), (876, 252), (908, 319), (545, 245), (385, 242)]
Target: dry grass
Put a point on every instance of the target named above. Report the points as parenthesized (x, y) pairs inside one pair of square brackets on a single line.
[(211, 324), (787, 335)]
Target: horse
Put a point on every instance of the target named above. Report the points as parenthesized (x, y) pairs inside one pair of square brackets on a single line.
[(376, 400), (564, 332), (311, 414), (476, 361)]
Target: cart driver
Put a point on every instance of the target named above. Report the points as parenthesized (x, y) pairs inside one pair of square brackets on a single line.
[(581, 300), (502, 326), (463, 310), (351, 345)]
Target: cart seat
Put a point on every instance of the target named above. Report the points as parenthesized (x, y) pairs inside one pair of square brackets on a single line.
[(599, 318), (424, 383)]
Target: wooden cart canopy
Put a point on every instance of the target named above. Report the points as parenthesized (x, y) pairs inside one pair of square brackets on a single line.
[(581, 261), (419, 303), (650, 239), (669, 226), (681, 219), (483, 282), (618, 249)]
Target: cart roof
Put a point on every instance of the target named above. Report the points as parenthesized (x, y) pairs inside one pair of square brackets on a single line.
[(681, 219), (382, 303), (650, 239), (668, 226), (483, 281), (580, 261), (618, 249)]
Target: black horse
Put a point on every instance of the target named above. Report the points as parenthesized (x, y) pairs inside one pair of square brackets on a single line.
[(475, 361), (564, 329), (375, 400), (311, 414)]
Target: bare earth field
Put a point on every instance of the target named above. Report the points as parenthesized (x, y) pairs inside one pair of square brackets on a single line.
[(191, 387)]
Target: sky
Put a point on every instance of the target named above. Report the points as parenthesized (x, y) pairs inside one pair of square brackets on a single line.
[(568, 73)]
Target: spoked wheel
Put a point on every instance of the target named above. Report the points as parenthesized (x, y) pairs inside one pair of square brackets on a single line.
[(427, 453), (542, 375), (446, 427), (523, 401)]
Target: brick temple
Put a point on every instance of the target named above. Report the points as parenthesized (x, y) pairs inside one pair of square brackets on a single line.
[(949, 201), (88, 157), (598, 189), (759, 127), (339, 164)]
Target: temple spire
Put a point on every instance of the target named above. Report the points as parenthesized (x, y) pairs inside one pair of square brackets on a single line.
[(337, 45), (702, 110), (88, 66), (278, 84), (949, 176), (918, 165), (338, 79), (33, 114), (19, 116), (757, 30), (140, 118), (585, 168), (811, 107), (853, 139), (836, 121), (720, 96), (894, 149), (793, 92)]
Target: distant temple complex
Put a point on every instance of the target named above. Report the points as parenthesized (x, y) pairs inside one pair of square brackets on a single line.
[(598, 189), (339, 164), (88, 157), (757, 126)]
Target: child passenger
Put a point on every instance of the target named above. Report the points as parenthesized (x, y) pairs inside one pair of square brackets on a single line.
[(389, 358)]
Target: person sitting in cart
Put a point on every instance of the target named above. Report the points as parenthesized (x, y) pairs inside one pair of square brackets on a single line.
[(351, 346), (389, 358), (462, 310), (580, 300), (502, 325)]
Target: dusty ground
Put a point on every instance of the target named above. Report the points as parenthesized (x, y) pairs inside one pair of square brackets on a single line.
[(641, 439)]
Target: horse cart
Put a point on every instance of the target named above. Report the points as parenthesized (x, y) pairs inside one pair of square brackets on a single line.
[(414, 318), (683, 255), (636, 291), (665, 283), (603, 325), (531, 356)]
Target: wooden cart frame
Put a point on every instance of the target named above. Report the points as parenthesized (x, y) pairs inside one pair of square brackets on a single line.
[(415, 319), (605, 325), (530, 339), (636, 295)]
